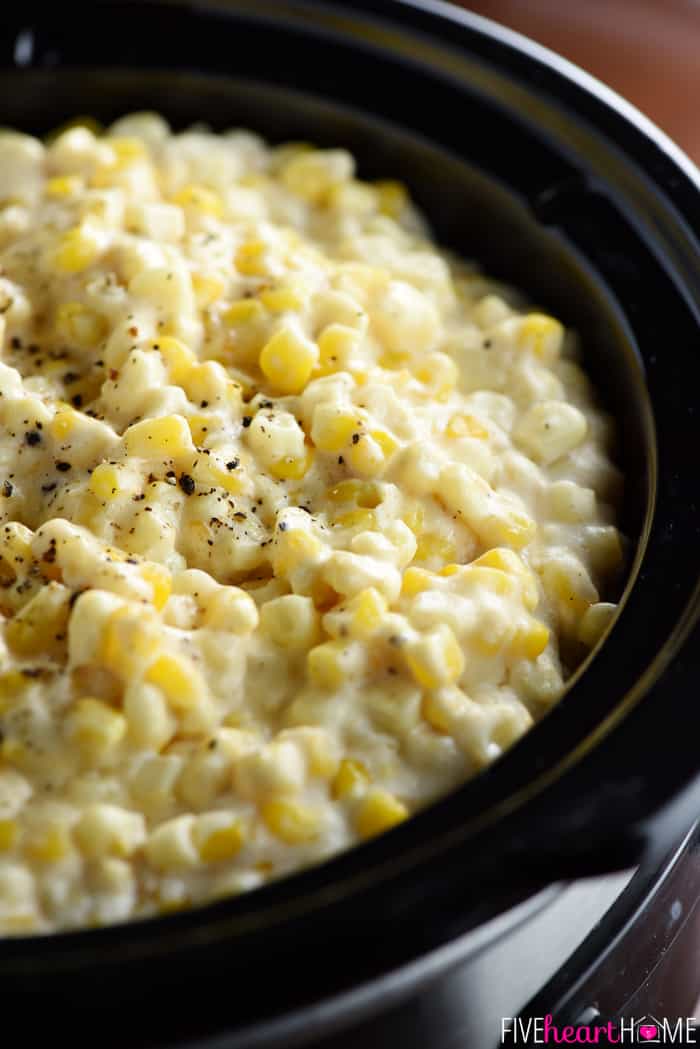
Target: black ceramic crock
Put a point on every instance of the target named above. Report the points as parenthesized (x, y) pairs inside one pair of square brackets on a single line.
[(522, 161)]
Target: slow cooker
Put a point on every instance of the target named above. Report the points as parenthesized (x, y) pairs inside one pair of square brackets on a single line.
[(557, 185)]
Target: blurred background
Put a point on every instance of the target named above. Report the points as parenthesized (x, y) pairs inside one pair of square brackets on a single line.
[(648, 50)]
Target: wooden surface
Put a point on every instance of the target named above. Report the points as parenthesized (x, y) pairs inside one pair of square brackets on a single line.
[(648, 50)]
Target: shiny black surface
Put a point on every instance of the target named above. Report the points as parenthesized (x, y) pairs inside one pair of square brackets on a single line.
[(555, 188)]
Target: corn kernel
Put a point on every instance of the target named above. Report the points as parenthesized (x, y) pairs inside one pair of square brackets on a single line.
[(9, 834), (64, 186), (49, 846), (127, 149), (77, 249), (345, 491), (336, 343), (366, 456), (292, 821), (200, 426), (279, 300), (243, 312), (63, 422), (505, 560), (542, 336), (291, 468), (415, 580), (200, 199), (178, 679), (377, 812), (222, 843), (104, 482), (160, 582), (207, 289), (332, 428), (464, 425), (360, 518), (168, 437), (290, 621), (392, 197), (287, 360), (435, 659), (326, 665), (109, 830), (351, 778), (250, 258), (433, 546), (294, 547), (129, 642), (95, 727), (178, 357), (594, 622), (78, 325), (530, 639), (367, 612)]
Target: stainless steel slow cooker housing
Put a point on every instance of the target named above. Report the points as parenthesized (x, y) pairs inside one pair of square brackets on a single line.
[(522, 161)]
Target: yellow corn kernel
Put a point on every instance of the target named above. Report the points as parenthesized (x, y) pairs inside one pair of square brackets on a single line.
[(287, 360), (63, 422), (95, 727), (326, 666), (434, 713), (78, 325), (15, 547), (514, 528), (345, 491), (128, 642), (292, 821), (64, 186), (392, 197), (207, 289), (293, 469), (243, 312), (179, 358), (377, 812), (127, 149), (200, 426), (367, 612), (232, 481), (439, 373), (530, 640), (415, 519), (430, 545), (279, 300), (160, 582), (351, 778), (167, 437), (366, 456), (542, 336), (505, 560), (464, 425), (293, 549), (9, 834), (250, 258), (386, 442), (200, 199), (178, 680), (336, 343), (40, 625), (223, 843), (104, 482), (436, 659), (49, 846), (332, 431), (77, 249), (360, 518), (415, 580)]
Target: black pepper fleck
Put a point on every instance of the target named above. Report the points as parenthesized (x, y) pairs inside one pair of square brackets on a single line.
[(187, 484)]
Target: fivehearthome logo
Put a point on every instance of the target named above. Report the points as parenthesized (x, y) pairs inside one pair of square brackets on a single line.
[(644, 1030)]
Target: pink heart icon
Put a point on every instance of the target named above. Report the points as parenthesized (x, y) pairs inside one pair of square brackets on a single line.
[(648, 1031)]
